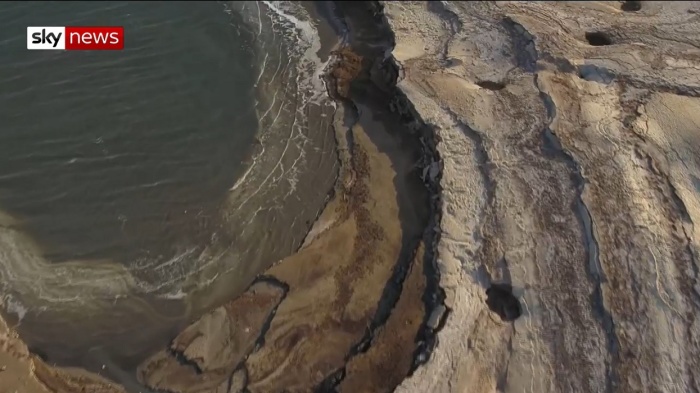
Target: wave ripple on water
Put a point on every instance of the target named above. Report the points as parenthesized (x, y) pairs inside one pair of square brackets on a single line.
[(265, 216)]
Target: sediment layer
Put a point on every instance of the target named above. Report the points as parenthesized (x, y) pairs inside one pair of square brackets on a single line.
[(566, 131)]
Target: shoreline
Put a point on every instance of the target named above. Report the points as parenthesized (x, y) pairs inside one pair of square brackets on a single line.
[(581, 309), (117, 329), (54, 377), (352, 76), (485, 145)]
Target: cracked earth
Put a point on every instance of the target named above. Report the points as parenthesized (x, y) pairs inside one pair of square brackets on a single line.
[(569, 135)]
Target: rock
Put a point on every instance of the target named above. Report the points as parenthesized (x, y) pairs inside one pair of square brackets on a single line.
[(436, 316), (347, 65)]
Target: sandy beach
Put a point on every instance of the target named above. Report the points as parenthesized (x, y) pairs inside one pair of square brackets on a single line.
[(514, 212)]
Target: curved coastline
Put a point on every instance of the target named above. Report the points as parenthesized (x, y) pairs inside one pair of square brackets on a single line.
[(366, 136), (308, 158), (484, 105), (357, 291)]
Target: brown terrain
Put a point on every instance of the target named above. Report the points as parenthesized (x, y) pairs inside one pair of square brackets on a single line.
[(347, 320), (335, 284), (536, 160)]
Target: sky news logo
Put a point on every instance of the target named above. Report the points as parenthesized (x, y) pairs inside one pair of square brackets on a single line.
[(75, 38)]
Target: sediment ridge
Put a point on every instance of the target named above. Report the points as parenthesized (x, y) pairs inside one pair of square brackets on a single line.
[(565, 133)]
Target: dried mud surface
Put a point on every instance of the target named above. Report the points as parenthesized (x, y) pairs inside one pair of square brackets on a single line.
[(387, 361), (569, 139), (205, 355)]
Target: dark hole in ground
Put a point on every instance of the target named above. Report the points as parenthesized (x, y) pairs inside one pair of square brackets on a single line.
[(631, 6), (598, 38), (329, 384), (491, 85), (500, 299)]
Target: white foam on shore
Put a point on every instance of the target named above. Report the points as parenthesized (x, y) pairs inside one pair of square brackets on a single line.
[(308, 38), (35, 281), (294, 39), (27, 278), (14, 306), (30, 283), (179, 294)]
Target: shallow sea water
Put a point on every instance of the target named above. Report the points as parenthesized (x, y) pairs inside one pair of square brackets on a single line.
[(140, 188)]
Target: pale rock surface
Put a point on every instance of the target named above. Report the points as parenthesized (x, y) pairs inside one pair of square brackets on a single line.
[(572, 172)]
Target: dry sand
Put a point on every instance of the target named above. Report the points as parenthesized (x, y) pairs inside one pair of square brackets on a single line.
[(569, 170)]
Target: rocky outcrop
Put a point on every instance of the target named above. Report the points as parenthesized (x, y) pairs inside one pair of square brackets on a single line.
[(347, 67)]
